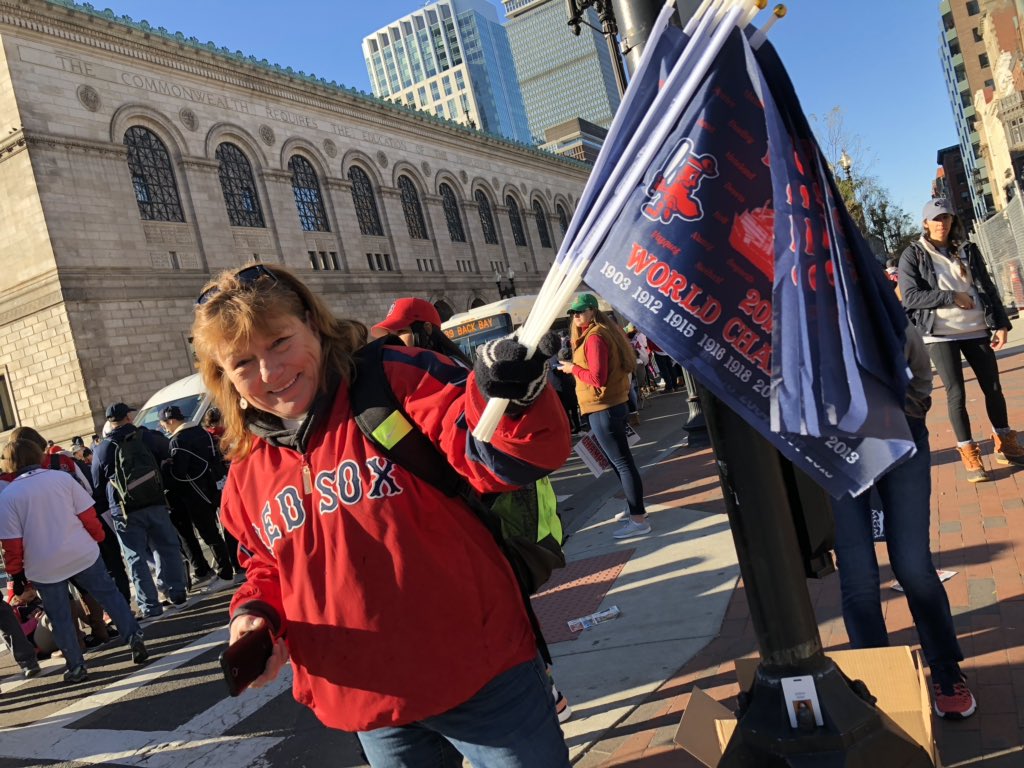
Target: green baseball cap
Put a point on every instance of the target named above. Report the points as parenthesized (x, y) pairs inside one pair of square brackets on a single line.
[(583, 302)]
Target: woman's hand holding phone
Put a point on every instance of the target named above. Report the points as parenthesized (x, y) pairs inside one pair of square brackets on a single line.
[(248, 655)]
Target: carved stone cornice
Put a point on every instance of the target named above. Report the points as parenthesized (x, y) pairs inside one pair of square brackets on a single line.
[(200, 164), (38, 293), (91, 284), (86, 146), (12, 145)]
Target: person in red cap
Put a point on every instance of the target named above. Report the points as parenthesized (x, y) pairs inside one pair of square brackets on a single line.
[(417, 323)]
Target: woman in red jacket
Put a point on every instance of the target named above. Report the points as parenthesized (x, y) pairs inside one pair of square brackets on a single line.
[(602, 362), (403, 621), (49, 530)]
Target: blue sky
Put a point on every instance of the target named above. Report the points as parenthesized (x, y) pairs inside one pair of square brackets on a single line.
[(877, 59)]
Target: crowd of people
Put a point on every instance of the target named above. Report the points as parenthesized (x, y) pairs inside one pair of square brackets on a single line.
[(345, 542), (88, 532)]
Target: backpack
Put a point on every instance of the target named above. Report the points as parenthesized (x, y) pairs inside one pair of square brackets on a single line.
[(524, 522), (209, 483), (136, 474)]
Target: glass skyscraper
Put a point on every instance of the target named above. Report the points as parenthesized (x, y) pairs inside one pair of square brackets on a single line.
[(452, 58), (562, 76)]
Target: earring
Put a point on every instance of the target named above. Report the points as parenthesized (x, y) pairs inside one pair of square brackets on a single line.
[(243, 403)]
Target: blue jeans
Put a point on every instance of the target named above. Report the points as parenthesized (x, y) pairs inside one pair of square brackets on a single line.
[(510, 723), (609, 428), (97, 582), (151, 527), (905, 493)]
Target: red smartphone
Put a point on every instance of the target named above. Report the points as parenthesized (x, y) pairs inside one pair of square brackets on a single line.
[(244, 660)]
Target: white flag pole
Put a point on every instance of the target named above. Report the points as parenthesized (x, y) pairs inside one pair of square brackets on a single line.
[(758, 38)]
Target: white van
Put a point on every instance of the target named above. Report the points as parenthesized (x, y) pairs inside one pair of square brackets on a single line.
[(188, 393)]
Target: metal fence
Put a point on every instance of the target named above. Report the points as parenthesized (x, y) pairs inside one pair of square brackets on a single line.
[(1001, 239)]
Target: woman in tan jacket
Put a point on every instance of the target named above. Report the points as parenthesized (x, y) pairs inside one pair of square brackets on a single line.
[(602, 361)]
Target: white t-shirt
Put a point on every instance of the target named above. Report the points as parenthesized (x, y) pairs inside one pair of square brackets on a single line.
[(954, 323), (41, 507)]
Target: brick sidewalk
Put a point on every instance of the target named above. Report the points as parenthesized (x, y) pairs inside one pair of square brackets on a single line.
[(976, 531)]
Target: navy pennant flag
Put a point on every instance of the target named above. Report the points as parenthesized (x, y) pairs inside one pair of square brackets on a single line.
[(736, 255)]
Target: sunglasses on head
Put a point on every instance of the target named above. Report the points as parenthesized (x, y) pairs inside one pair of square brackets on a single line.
[(247, 276)]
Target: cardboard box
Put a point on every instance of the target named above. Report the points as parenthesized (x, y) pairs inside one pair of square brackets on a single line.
[(895, 676)]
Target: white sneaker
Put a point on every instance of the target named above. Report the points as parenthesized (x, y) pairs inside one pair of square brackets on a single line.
[(632, 528), (624, 515), (562, 708), (217, 584)]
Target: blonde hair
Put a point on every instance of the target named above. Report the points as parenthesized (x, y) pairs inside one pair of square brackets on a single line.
[(620, 342), (237, 310), (18, 454)]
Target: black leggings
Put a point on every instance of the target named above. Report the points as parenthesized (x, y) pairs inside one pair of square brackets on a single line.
[(979, 355)]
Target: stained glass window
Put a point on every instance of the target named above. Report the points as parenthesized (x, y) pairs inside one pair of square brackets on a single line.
[(516, 221), (156, 191), (542, 225), (451, 214), (563, 219), (239, 187), (308, 200), (486, 218), (412, 209), (365, 203)]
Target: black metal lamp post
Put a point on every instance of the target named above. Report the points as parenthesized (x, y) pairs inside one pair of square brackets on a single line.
[(505, 291), (609, 28)]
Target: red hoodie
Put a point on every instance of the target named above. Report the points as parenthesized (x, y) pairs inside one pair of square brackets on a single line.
[(395, 601)]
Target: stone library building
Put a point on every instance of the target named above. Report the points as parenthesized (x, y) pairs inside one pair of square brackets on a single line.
[(135, 163)]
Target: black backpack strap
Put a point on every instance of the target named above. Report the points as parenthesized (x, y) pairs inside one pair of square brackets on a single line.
[(383, 421), (54, 461)]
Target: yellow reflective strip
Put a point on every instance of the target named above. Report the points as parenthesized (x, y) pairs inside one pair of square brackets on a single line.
[(392, 429), (548, 522)]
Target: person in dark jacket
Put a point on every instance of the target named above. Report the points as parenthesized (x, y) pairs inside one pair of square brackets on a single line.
[(191, 478), (138, 529), (565, 385), (952, 300)]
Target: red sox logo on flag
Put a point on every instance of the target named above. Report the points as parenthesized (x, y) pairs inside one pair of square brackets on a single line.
[(673, 195)]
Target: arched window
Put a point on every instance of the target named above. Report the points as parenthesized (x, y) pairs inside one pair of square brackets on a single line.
[(412, 209), (451, 214), (309, 201), (516, 221), (365, 203), (486, 219), (444, 310), (239, 187), (156, 191), (542, 225), (563, 219)]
